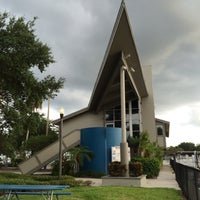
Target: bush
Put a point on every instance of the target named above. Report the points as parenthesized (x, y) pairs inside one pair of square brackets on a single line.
[(11, 178), (16, 161), (135, 169), (41, 140), (116, 169), (67, 167), (151, 166)]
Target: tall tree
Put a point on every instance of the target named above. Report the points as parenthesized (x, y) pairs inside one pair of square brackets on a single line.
[(187, 146), (21, 92)]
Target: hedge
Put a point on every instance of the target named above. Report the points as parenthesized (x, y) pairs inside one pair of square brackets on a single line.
[(11, 178), (151, 166)]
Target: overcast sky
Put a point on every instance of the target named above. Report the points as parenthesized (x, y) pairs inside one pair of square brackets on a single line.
[(167, 36)]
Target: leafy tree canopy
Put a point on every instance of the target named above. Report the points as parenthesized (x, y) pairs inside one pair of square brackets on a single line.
[(198, 147), (38, 140), (172, 150), (184, 146), (187, 146), (21, 92)]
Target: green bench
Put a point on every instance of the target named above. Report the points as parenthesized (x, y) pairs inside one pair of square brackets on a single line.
[(57, 194)]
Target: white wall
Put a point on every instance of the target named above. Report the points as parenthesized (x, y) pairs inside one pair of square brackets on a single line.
[(147, 106)]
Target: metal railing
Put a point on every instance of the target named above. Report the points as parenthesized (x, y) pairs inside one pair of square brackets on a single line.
[(49, 153), (191, 158), (188, 178)]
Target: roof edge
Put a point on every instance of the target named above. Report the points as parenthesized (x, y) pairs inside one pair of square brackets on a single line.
[(71, 115), (122, 8)]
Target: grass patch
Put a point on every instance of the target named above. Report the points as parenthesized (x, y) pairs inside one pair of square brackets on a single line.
[(124, 193), (117, 193), (91, 193)]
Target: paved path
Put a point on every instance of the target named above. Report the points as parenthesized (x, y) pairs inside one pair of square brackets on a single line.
[(166, 179)]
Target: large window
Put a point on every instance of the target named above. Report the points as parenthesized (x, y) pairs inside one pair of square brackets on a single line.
[(113, 118)]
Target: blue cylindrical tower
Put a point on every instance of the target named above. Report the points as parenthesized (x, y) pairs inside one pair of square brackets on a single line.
[(100, 140)]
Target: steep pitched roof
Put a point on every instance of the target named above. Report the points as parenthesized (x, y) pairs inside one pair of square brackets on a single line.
[(121, 50)]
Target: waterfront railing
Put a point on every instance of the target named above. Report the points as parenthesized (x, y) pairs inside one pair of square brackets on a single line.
[(188, 178)]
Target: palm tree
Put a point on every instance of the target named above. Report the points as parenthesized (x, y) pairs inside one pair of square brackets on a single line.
[(78, 155), (144, 143), (142, 146), (133, 143), (139, 144)]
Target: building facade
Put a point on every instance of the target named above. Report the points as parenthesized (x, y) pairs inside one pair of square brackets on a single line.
[(104, 108), (122, 98)]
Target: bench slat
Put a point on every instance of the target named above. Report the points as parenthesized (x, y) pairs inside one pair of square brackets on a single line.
[(57, 194), (39, 193)]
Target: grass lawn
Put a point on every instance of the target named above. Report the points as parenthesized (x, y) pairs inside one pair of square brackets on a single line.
[(117, 193), (91, 193)]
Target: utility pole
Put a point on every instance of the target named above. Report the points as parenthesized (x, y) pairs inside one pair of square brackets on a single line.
[(47, 125)]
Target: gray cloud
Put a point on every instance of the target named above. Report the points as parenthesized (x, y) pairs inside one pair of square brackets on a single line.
[(167, 35)]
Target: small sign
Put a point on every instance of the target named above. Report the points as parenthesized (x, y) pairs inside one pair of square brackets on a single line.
[(115, 154)]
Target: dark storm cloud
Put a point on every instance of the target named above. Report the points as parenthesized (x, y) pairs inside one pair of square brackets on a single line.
[(166, 33), (177, 83), (156, 25)]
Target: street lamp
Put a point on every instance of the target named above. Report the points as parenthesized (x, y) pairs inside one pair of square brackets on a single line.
[(60, 143)]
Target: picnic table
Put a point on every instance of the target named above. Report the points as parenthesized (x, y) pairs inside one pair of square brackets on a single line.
[(46, 191)]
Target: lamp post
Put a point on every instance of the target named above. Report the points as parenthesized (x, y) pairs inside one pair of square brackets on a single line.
[(60, 143)]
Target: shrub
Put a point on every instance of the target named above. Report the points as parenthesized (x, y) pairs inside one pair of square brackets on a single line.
[(41, 140), (151, 166), (116, 169), (16, 161), (135, 169), (67, 167), (11, 178)]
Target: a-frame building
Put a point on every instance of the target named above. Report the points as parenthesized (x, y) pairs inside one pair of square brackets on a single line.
[(105, 106)]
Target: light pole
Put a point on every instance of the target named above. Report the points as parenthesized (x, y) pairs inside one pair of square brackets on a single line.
[(60, 143)]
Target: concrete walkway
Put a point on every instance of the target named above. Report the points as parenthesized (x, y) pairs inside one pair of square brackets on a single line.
[(166, 179)]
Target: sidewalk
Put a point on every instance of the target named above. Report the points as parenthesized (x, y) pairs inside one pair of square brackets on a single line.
[(166, 179)]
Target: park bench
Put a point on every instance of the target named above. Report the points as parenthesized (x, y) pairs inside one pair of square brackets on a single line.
[(57, 194), (46, 191)]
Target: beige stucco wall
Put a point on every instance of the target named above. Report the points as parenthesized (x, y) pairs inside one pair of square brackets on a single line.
[(84, 120), (147, 106), (161, 139), (88, 119)]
